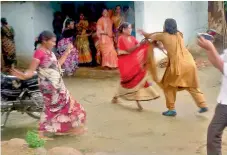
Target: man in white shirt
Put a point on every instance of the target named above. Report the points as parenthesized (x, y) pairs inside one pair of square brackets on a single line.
[(219, 121)]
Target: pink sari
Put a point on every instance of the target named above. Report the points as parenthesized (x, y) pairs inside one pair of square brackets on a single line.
[(106, 44), (57, 116)]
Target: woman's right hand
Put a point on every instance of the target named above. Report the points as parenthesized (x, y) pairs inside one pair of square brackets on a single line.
[(140, 31), (69, 48), (205, 44)]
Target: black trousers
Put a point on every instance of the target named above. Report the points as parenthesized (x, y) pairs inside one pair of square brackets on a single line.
[(215, 130)]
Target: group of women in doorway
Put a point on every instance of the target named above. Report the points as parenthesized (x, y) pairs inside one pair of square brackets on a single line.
[(100, 36)]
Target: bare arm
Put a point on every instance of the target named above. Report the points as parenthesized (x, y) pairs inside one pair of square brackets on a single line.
[(212, 54), (65, 55), (153, 36), (29, 72), (145, 34), (215, 59)]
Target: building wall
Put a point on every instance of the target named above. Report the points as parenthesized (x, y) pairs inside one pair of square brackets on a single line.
[(43, 17), (28, 19), (139, 16), (20, 17), (191, 16)]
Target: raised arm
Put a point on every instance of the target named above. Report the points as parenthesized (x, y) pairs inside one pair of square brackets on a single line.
[(66, 54), (213, 55), (157, 36), (124, 46)]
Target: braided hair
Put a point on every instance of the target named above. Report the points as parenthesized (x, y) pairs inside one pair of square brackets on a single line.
[(44, 36)]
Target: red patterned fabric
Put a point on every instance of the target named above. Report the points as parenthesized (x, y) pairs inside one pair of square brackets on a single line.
[(131, 66)]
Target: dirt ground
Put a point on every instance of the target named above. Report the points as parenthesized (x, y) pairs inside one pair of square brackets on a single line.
[(122, 130)]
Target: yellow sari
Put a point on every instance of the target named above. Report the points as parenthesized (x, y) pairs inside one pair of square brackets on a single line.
[(82, 42)]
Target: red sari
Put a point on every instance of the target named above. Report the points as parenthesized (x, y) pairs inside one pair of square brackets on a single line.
[(133, 73)]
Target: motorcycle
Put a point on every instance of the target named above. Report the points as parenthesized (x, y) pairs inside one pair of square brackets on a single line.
[(20, 95)]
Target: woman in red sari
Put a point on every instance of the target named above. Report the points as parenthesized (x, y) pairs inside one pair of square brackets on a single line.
[(132, 60)]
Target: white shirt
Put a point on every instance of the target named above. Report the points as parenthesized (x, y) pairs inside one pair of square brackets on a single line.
[(222, 98)]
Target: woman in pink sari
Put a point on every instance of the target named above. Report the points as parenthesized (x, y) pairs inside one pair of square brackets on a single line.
[(106, 44), (62, 114)]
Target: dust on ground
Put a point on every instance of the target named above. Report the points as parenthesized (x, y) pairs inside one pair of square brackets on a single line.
[(121, 129)]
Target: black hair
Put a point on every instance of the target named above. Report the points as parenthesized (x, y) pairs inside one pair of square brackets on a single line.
[(170, 26), (68, 21), (4, 21), (117, 6), (44, 36), (68, 33), (125, 7), (57, 13), (123, 26), (104, 8)]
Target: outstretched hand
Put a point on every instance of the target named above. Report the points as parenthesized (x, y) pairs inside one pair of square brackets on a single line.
[(205, 44), (13, 72), (144, 41), (16, 73), (69, 48), (140, 31)]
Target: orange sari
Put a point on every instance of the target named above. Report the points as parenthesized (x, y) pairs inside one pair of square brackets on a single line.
[(133, 72), (106, 45)]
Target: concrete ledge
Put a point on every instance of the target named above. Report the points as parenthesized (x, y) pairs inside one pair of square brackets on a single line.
[(95, 73)]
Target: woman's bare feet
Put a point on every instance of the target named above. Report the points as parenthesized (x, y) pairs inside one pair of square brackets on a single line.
[(41, 136), (78, 131), (115, 100), (140, 108)]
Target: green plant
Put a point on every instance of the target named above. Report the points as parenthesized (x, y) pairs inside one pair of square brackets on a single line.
[(33, 140)]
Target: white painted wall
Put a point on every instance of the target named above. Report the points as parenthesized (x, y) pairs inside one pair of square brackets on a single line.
[(28, 20), (20, 17), (191, 16), (43, 17), (139, 17)]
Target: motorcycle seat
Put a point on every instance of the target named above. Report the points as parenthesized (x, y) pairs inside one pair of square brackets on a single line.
[(8, 77)]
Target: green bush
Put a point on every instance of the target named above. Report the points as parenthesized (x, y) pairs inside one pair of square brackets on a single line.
[(33, 140)]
